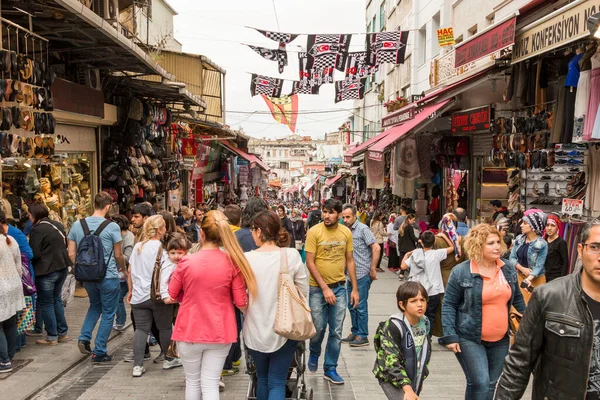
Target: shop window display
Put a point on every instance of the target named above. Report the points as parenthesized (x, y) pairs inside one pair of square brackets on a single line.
[(64, 187)]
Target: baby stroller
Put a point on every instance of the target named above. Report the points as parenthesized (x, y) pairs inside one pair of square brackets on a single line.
[(295, 387)]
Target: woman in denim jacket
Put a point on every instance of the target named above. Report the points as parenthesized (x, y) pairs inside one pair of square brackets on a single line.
[(475, 311), (530, 250)]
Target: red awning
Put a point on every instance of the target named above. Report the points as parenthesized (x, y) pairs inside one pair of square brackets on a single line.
[(395, 133), (363, 146), (248, 157), (333, 180)]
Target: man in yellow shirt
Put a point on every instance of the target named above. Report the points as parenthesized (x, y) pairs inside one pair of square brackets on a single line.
[(328, 255)]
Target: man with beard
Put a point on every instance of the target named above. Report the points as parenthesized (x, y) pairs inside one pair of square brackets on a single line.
[(328, 255), (559, 335), (139, 215)]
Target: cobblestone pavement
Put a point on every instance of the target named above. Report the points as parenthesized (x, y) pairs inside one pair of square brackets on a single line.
[(62, 373)]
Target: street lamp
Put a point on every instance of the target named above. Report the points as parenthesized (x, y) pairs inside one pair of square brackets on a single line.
[(593, 24)]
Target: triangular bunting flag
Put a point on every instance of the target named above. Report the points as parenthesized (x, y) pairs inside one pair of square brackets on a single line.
[(349, 90), (279, 55), (357, 66), (386, 47), (266, 85), (326, 52), (284, 109), (278, 36)]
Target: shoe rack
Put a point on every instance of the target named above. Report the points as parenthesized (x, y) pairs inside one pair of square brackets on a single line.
[(558, 174)]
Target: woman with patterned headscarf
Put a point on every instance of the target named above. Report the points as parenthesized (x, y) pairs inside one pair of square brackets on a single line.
[(557, 261), (530, 251), (448, 226)]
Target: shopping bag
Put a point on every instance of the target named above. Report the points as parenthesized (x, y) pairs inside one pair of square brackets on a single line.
[(68, 288), (26, 317)]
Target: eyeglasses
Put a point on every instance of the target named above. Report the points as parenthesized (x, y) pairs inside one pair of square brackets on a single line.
[(593, 248)]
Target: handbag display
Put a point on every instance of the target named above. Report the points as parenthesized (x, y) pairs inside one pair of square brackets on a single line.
[(293, 319), (155, 286)]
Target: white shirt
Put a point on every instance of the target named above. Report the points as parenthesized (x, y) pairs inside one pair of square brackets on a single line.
[(426, 269), (142, 267), (394, 236), (259, 321)]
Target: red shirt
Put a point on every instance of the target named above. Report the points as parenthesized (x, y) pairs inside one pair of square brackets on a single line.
[(211, 284)]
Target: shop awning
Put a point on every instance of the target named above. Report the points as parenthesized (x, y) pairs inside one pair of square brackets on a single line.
[(253, 160), (361, 148), (309, 187), (167, 91), (333, 180), (395, 133)]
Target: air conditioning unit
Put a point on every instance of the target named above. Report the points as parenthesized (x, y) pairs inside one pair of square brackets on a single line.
[(89, 77)]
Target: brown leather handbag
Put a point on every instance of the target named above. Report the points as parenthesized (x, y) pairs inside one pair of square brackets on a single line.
[(155, 286)]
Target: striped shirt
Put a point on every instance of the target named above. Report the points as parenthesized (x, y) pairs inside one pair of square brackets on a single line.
[(362, 239)]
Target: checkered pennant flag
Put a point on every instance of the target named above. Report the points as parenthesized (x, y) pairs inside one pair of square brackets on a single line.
[(357, 67), (386, 47), (279, 55), (278, 36), (327, 52), (265, 85), (349, 90), (303, 87), (313, 77)]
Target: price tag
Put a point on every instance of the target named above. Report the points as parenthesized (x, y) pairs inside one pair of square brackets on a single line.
[(572, 206)]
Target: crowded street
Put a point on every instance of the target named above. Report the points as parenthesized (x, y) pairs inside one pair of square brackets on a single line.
[(300, 200), (69, 377)]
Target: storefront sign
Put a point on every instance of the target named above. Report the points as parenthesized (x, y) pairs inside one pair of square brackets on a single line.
[(566, 27), (489, 42), (188, 163), (477, 119), (572, 206), (445, 37), (336, 160), (348, 159), (398, 118), (375, 155)]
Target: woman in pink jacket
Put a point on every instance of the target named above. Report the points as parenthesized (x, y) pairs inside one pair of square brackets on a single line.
[(211, 281)]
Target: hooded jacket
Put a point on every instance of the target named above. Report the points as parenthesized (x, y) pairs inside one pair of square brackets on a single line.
[(396, 360)]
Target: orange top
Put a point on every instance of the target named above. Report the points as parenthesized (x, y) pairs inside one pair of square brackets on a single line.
[(495, 296)]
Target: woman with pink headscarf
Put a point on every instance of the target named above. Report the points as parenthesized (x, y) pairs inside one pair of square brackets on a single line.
[(557, 260)]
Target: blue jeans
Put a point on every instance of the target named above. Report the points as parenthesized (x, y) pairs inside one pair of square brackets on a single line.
[(49, 300), (104, 299), (482, 365), (360, 315), (272, 371), (322, 315), (121, 312), (8, 339)]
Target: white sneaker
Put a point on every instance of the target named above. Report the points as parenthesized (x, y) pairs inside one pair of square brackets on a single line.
[(138, 371), (221, 385), (172, 363)]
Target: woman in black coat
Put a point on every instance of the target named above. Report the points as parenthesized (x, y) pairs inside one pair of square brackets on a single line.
[(286, 223), (298, 230), (50, 262)]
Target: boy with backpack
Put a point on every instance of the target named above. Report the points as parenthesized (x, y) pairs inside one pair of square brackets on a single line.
[(403, 345), (95, 250)]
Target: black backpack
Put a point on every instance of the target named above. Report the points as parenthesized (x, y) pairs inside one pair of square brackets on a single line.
[(90, 264), (314, 219)]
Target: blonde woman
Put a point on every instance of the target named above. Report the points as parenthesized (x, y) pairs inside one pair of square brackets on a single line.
[(145, 310), (475, 310), (211, 281)]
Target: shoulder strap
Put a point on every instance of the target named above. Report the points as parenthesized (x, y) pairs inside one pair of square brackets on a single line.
[(103, 225), (159, 254), (57, 230), (284, 260), (400, 325), (84, 226)]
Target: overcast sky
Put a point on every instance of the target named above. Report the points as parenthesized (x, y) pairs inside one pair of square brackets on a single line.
[(216, 29)]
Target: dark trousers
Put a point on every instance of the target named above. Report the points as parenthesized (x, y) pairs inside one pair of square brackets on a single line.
[(393, 259), (145, 314), (482, 365), (380, 254), (235, 352), (432, 305), (8, 339), (154, 330)]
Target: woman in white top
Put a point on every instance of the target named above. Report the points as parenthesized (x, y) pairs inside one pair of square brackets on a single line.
[(272, 354), (11, 298), (144, 309)]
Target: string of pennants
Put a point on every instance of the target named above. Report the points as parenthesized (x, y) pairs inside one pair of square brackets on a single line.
[(325, 54)]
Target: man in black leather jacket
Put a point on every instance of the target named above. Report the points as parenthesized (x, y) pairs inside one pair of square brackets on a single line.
[(559, 337)]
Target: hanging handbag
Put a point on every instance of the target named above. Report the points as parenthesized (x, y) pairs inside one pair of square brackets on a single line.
[(293, 319), (155, 286), (68, 288)]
